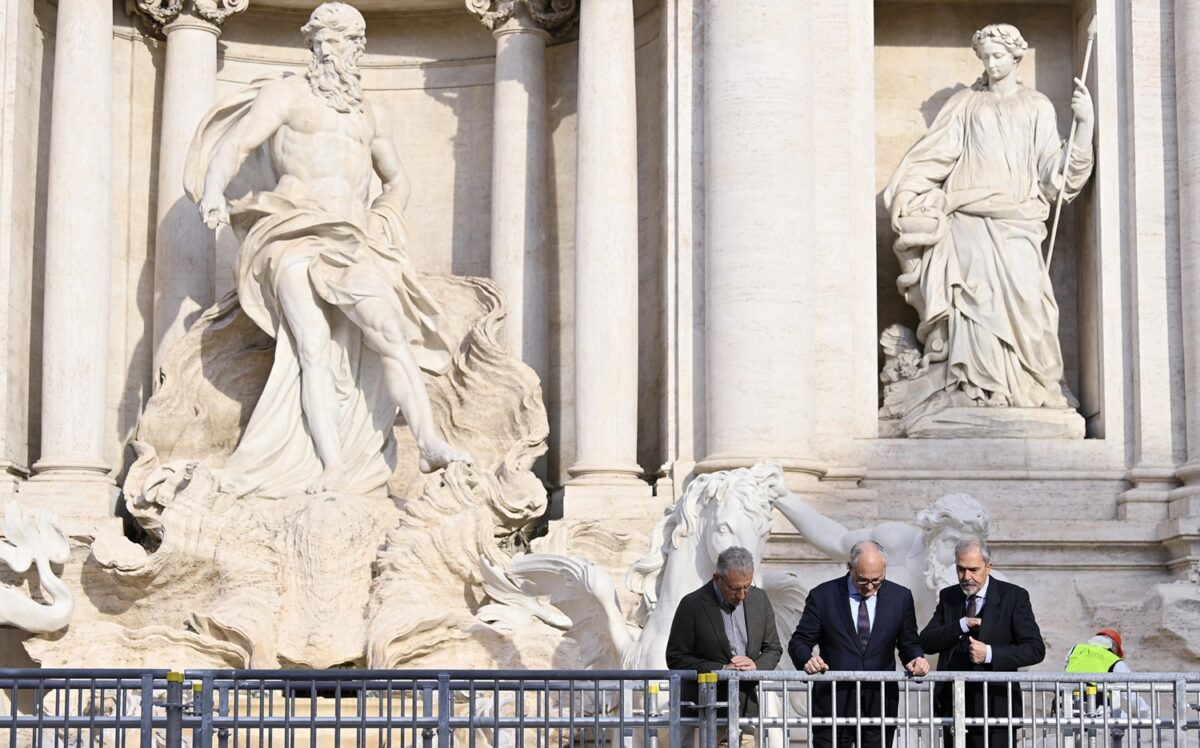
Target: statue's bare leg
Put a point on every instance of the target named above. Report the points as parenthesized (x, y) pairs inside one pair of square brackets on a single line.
[(305, 317), (382, 332)]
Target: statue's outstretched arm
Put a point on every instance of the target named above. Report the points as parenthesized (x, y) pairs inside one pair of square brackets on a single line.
[(825, 534)]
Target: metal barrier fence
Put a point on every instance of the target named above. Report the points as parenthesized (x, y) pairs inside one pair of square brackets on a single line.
[(398, 709), (960, 709), (339, 708)]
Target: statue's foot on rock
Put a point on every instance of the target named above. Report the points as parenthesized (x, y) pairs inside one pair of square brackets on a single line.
[(331, 479), (437, 454)]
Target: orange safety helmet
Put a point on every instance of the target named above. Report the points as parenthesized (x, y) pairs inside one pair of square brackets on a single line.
[(1118, 650)]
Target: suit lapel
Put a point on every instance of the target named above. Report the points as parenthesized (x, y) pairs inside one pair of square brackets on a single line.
[(882, 597), (713, 612), (990, 615), (754, 616)]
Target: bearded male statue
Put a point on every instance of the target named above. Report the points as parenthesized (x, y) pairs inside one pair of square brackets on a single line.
[(325, 273)]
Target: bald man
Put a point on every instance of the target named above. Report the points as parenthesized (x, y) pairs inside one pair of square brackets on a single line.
[(859, 621)]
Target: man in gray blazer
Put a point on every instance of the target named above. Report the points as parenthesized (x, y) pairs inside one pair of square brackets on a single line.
[(727, 624)]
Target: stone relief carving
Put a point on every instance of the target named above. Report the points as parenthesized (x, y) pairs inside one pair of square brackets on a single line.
[(315, 580), (257, 547), (35, 543), (920, 555), (969, 203), (555, 16), (159, 13), (324, 273), (716, 511)]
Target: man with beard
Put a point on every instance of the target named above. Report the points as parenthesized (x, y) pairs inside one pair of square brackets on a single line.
[(324, 273), (922, 554), (982, 624)]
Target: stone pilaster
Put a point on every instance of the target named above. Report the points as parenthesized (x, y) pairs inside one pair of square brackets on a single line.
[(520, 160), (78, 247), (758, 214), (1180, 532), (72, 476), (606, 261), (1153, 421), (183, 256)]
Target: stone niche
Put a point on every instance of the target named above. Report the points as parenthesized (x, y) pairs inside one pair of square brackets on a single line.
[(923, 56)]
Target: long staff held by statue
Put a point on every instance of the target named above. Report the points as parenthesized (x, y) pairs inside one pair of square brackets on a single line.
[(1058, 203)]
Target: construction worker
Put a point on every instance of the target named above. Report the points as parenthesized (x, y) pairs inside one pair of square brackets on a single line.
[(1102, 653)]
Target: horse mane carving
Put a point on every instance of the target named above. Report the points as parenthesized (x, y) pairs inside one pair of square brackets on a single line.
[(755, 489)]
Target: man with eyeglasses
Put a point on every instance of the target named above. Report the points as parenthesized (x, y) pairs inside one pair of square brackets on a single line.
[(983, 624), (859, 621), (727, 624)]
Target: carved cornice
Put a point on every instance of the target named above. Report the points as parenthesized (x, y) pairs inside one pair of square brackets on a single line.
[(160, 13), (554, 16)]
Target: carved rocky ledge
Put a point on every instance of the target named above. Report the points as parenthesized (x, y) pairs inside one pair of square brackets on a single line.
[(920, 402), (310, 580)]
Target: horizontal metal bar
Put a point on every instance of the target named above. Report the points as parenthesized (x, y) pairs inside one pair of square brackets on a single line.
[(969, 676)]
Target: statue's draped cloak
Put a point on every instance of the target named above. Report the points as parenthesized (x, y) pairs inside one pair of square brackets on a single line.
[(993, 164), (276, 456)]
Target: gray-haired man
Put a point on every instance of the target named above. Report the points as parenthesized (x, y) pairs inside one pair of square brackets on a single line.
[(727, 624)]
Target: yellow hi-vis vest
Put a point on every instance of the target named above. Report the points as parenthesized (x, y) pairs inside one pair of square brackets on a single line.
[(1088, 658)]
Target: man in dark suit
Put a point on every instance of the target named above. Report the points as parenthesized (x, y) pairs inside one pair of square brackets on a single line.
[(982, 624), (727, 624), (857, 622)]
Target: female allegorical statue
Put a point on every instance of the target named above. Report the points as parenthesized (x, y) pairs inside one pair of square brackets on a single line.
[(970, 202)]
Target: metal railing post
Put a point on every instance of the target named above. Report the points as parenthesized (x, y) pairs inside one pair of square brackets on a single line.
[(651, 713), (960, 713), (202, 705), (733, 695), (174, 708), (147, 707), (444, 708), (675, 730), (1181, 707), (223, 711), (427, 732), (706, 707)]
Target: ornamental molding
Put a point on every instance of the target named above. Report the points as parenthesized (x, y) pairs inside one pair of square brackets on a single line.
[(161, 13), (554, 16)]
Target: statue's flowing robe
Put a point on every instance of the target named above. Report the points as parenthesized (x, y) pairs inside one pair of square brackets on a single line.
[(994, 165), (276, 456)]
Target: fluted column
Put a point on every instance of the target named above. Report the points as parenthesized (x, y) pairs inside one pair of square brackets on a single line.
[(183, 252), (1181, 532), (606, 250), (758, 227), (78, 246), (520, 148)]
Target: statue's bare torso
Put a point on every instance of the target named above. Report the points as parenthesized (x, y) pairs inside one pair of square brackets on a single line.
[(322, 153)]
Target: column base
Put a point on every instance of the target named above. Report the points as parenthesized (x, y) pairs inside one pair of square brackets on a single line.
[(83, 507), (630, 501), (1185, 500), (595, 474), (72, 469), (1149, 498), (800, 473), (10, 469), (1180, 531)]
